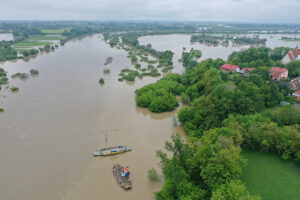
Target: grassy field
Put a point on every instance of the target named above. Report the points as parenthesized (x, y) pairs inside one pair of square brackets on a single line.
[(271, 177), (31, 44), (53, 31), (291, 40), (37, 38)]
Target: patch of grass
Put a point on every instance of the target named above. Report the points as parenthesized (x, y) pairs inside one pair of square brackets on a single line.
[(37, 38), (53, 31), (271, 177), (31, 44), (153, 175)]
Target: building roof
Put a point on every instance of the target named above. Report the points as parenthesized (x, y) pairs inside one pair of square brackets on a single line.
[(248, 69), (298, 92), (294, 54), (229, 67), (277, 71)]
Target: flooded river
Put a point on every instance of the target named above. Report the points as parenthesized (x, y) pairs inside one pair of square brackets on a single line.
[(51, 127)]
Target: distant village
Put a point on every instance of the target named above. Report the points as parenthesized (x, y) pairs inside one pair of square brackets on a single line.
[(276, 73)]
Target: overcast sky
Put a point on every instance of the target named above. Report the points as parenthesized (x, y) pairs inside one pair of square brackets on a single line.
[(285, 11)]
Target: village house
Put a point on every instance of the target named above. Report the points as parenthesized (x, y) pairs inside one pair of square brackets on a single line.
[(246, 70), (295, 83), (294, 54), (296, 95), (229, 68), (278, 73)]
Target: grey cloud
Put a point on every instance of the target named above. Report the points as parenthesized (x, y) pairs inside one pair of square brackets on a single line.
[(195, 10)]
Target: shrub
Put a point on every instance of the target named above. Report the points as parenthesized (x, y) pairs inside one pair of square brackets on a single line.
[(106, 71), (14, 89), (120, 79), (3, 81), (34, 72), (153, 175), (101, 81), (20, 75), (1, 109), (138, 66)]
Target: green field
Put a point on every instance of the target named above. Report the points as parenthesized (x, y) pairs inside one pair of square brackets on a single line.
[(37, 38), (291, 39), (53, 31), (271, 177), (31, 44)]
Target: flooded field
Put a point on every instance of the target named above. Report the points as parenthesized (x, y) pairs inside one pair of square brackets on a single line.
[(51, 127), (6, 36)]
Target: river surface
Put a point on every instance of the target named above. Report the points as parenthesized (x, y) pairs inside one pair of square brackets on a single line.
[(53, 124)]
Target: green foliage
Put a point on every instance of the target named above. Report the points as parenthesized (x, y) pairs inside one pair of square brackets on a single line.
[(22, 76), (260, 133), (294, 68), (138, 66), (153, 175), (106, 71), (234, 190), (1, 110), (14, 89), (160, 97), (3, 80), (34, 72), (133, 59), (101, 81)]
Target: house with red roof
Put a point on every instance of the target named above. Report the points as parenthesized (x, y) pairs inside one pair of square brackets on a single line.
[(229, 68), (278, 73), (296, 95), (294, 54)]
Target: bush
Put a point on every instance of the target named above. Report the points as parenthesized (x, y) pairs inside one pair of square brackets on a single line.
[(20, 75), (120, 79), (153, 175), (138, 66), (1, 109), (101, 81), (3, 81), (34, 72), (106, 71), (14, 89), (131, 76)]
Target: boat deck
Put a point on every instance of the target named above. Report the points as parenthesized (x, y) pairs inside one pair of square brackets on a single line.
[(123, 181)]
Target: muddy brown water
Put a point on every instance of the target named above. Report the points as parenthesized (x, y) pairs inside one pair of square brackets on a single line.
[(51, 127)]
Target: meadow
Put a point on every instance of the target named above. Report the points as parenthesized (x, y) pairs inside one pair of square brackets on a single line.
[(271, 177)]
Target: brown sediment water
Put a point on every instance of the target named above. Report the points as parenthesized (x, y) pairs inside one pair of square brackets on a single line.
[(51, 127)]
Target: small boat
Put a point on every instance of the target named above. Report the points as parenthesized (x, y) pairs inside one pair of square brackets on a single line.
[(121, 175), (112, 150)]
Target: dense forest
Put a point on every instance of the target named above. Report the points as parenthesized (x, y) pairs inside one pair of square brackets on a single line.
[(219, 122)]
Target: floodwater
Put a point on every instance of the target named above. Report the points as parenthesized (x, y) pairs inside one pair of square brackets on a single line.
[(51, 127), (6, 36), (176, 42)]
